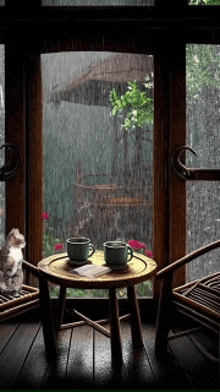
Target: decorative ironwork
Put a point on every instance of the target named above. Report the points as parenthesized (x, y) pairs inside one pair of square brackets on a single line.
[(192, 173), (13, 159)]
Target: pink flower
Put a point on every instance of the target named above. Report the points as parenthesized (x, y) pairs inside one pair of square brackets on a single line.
[(149, 253), (136, 244), (45, 215), (58, 246)]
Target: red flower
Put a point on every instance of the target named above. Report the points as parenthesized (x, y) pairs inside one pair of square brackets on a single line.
[(136, 244), (149, 253), (45, 215), (58, 246)]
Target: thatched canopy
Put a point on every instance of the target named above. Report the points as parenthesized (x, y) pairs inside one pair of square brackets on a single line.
[(94, 86)]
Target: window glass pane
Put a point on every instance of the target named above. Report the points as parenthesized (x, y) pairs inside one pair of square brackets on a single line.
[(2, 140), (203, 127), (97, 2), (98, 176)]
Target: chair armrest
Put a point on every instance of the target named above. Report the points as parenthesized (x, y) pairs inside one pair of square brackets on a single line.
[(31, 268), (170, 269)]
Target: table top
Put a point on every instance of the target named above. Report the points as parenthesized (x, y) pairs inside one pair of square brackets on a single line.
[(58, 269)]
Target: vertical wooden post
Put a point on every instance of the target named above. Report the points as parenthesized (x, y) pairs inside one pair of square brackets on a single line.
[(177, 139), (34, 157), (170, 133), (23, 129), (161, 162), (15, 134)]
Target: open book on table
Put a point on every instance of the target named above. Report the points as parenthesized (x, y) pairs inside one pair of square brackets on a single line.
[(91, 270)]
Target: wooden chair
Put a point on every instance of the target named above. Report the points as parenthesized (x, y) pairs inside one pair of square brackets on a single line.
[(29, 298), (198, 301)]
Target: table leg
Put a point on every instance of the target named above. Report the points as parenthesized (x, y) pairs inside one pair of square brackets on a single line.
[(61, 307), (47, 319), (115, 330), (136, 328)]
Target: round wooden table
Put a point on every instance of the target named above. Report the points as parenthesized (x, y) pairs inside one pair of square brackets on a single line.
[(58, 269)]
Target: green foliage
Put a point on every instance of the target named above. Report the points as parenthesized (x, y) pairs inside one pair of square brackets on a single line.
[(136, 104), (203, 68), (145, 289), (49, 243), (205, 2), (78, 293)]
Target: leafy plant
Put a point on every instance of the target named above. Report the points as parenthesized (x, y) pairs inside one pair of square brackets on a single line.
[(205, 2), (145, 289), (137, 105)]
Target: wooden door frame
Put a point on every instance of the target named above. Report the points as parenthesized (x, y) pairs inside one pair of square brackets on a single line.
[(169, 89), (23, 128), (143, 29), (34, 150), (169, 133), (15, 199)]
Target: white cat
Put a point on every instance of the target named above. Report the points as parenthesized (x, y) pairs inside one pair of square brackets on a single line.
[(11, 257)]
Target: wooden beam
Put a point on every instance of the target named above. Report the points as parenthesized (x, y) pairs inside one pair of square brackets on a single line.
[(92, 323), (161, 163), (177, 139), (159, 15), (170, 4), (15, 134), (22, 4), (34, 157)]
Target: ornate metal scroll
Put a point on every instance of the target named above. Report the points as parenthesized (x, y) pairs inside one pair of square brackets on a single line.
[(13, 158), (192, 173)]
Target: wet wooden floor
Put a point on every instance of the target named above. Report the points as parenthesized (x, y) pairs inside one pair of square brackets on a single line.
[(84, 361)]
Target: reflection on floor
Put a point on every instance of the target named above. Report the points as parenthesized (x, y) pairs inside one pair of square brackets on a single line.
[(84, 361)]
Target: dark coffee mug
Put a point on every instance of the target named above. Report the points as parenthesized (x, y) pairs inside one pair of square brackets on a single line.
[(117, 253), (79, 249)]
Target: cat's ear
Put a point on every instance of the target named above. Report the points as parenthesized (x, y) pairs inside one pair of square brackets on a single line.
[(13, 233)]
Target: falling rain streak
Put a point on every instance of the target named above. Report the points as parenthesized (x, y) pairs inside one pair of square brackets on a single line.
[(203, 134), (98, 176)]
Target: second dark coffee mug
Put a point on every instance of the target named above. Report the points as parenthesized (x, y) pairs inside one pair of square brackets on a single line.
[(117, 253), (79, 249)]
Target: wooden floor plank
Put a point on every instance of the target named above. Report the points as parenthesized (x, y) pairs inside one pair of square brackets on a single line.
[(34, 368), (84, 361), (15, 353), (6, 332), (199, 370), (211, 345), (166, 372), (80, 359)]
